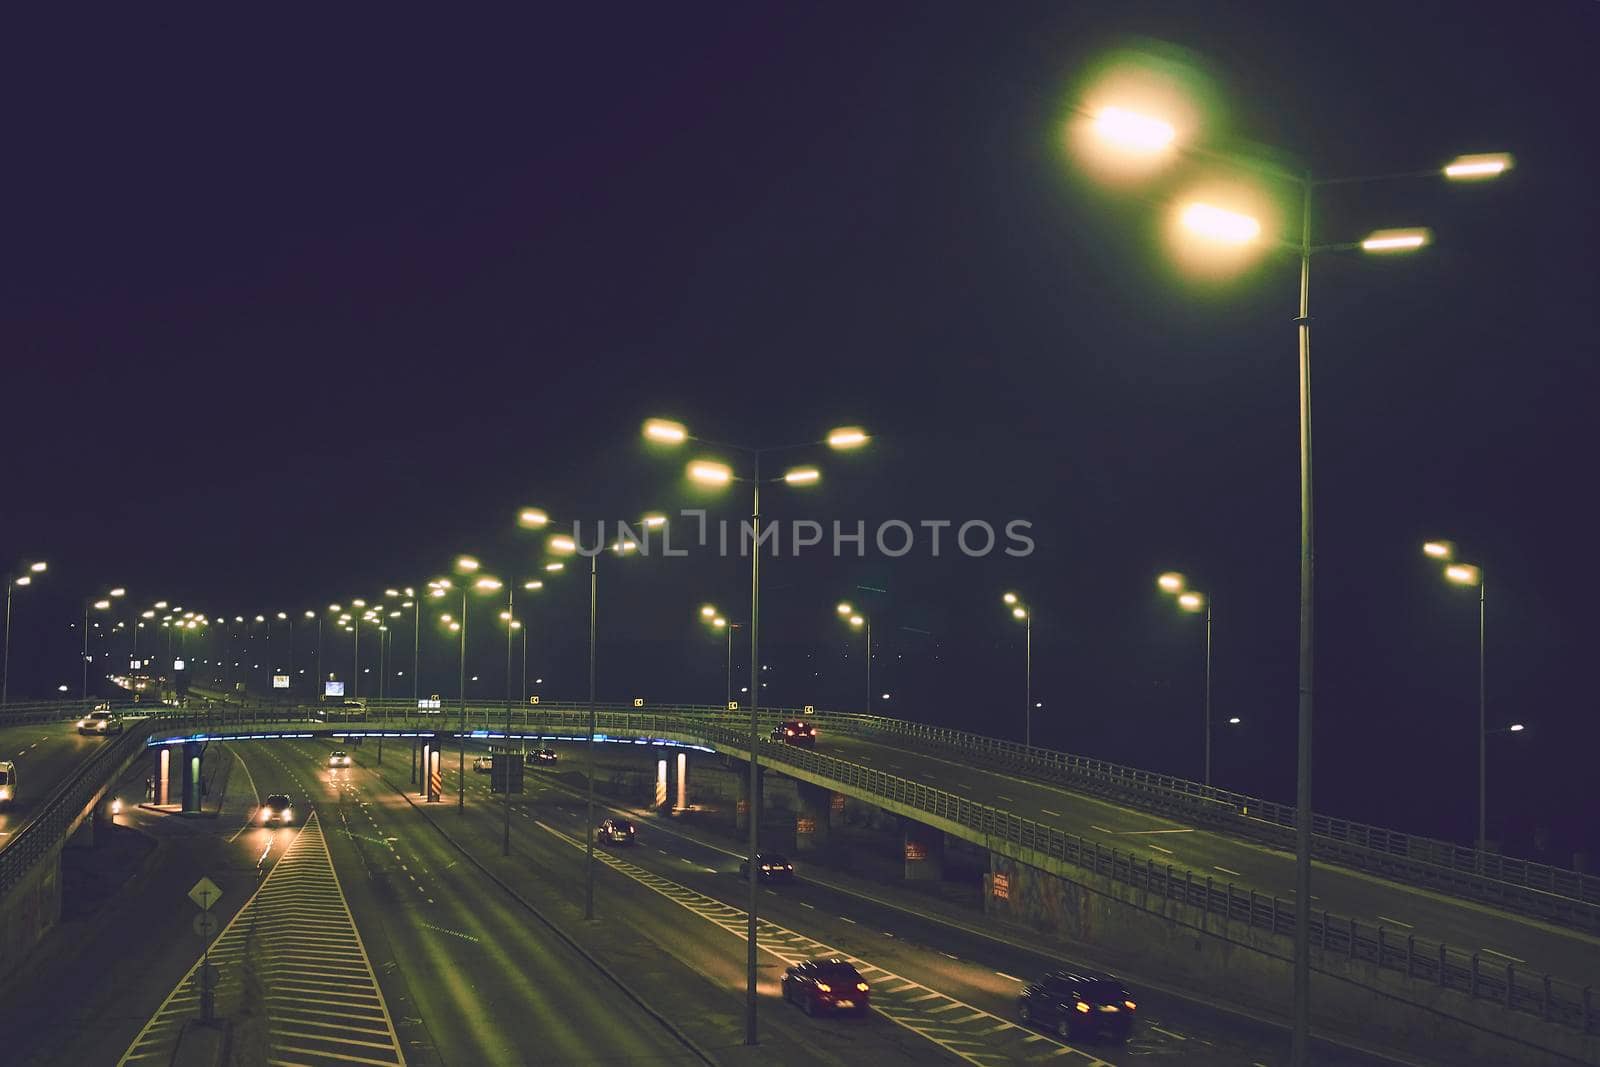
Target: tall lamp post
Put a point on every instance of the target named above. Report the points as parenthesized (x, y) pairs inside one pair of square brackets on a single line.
[(1131, 133), (715, 619), (470, 580), (413, 602), (1191, 601), (714, 474), (103, 604), (1468, 574), (13, 583), (565, 545), (1023, 614), (860, 620)]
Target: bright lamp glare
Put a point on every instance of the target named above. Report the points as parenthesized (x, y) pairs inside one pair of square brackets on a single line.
[(1438, 550), (562, 543), (707, 611), (856, 620), (487, 584), (1216, 224), (1019, 613), (1010, 598), (1395, 241), (1462, 573), (847, 437), (708, 473), (1487, 165), (24, 580), (1133, 131), (803, 476), (1170, 582), (1191, 601), (532, 518), (1516, 727), (665, 431), (464, 564), (652, 522), (719, 622), (41, 567), (101, 605)]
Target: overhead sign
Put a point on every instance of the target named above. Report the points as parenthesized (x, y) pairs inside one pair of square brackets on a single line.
[(134, 664), (177, 664), (280, 681), (205, 893), (809, 709), (533, 700), (733, 705), (429, 704), (638, 702), (333, 689)]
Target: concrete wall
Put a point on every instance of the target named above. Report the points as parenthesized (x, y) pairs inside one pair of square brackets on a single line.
[(30, 910), (1252, 967)]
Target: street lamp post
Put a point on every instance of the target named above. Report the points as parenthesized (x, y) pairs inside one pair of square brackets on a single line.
[(468, 567), (860, 620), (103, 604), (1023, 614), (717, 621), (1129, 131), (1469, 575), (13, 582), (1191, 601), (705, 472)]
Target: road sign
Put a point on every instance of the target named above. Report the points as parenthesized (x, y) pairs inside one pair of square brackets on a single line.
[(533, 700), (177, 664), (205, 893), (206, 924), (333, 689), (638, 702), (809, 709), (429, 704), (280, 681), (733, 705)]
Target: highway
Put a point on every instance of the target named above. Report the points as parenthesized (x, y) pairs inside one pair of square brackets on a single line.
[(44, 754), (1498, 936)]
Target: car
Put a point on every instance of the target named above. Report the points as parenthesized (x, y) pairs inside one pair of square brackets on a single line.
[(1078, 1005), (773, 867), (616, 832), (483, 764), (8, 783), (339, 758), (795, 732), (100, 722), (827, 985), (539, 755), (276, 810)]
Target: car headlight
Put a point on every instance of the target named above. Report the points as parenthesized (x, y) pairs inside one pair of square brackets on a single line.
[(5, 793), (264, 814), (288, 814)]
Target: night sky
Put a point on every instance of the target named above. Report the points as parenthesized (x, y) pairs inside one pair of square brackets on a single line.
[(296, 310)]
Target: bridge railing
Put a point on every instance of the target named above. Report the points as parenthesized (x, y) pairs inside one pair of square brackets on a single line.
[(65, 805)]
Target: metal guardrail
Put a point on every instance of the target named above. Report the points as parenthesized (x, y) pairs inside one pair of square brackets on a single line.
[(1553, 999), (45, 831), (1552, 893)]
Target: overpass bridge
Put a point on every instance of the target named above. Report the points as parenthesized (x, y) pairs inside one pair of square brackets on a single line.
[(1046, 812)]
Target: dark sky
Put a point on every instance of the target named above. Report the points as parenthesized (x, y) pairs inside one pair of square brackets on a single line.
[(297, 309)]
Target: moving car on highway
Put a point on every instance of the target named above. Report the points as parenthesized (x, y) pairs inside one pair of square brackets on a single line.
[(616, 832), (8, 783), (276, 810), (340, 758), (539, 755), (100, 722), (795, 732), (773, 867), (483, 764), (1076, 1005), (827, 985)]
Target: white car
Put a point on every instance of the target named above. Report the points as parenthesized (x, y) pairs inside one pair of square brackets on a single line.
[(100, 722), (8, 783), (340, 758)]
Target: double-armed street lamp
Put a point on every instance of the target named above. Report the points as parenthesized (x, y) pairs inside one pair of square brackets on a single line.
[(567, 545), (715, 474), (468, 580), (101, 604), (13, 583), (1471, 575), (1024, 614), (1175, 585), (860, 620), (408, 598), (1130, 133), (719, 622)]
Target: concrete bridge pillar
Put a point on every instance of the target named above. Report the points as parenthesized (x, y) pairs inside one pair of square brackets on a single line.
[(923, 849), (672, 781), (161, 776), (191, 776), (813, 821), (741, 810)]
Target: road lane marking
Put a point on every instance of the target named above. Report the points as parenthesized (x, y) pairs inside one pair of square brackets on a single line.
[(1158, 848), (842, 919), (893, 996), (1225, 870), (1047, 811), (1502, 955), (1397, 922), (1009, 977), (1169, 1033), (1002, 796), (1102, 829)]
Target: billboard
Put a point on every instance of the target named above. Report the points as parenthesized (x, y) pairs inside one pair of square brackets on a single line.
[(333, 689), (280, 681)]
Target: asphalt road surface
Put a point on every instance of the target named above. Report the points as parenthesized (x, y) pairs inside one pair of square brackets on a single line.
[(44, 754)]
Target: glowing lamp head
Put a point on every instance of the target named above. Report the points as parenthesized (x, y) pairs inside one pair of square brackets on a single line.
[(707, 611), (857, 620), (654, 521), (847, 437), (555, 567), (533, 586), (464, 565), (1478, 167), (1170, 582), (1396, 240), (118, 591), (101, 605), (1441, 550), (719, 622), (1133, 132), (1019, 612), (562, 544), (39, 567), (803, 476), (24, 580), (1516, 727), (665, 432), (707, 472), (1010, 598), (487, 584), (1191, 601), (1463, 574), (845, 609), (532, 518), (1218, 224)]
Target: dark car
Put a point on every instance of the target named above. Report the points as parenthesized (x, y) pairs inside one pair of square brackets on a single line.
[(829, 985), (616, 832), (1075, 1005), (535, 756), (773, 867), (276, 810), (795, 732)]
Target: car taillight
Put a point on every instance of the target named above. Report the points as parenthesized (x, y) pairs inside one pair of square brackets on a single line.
[(1083, 1007), (824, 987), (861, 986), (1130, 1005)]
